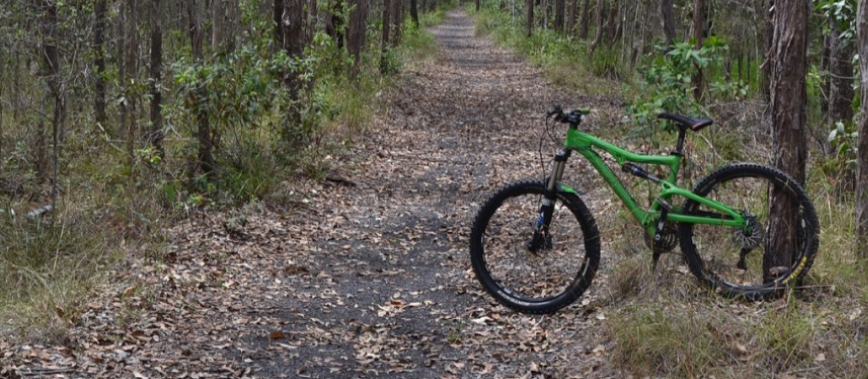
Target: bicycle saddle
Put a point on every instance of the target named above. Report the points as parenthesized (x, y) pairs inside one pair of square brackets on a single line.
[(684, 122)]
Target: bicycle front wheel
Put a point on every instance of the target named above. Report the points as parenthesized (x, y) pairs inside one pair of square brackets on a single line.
[(776, 248), (528, 273)]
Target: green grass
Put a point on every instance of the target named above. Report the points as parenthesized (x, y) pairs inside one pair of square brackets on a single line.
[(565, 61)]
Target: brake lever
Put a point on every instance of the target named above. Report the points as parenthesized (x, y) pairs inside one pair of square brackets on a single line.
[(556, 110)]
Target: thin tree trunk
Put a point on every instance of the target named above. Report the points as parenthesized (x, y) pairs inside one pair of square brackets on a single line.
[(825, 59), (99, 26), (528, 26), (586, 19), (769, 39), (862, 151), (570, 23), (203, 122), (397, 13), (357, 36), (132, 61), (294, 40), (384, 41), (841, 78), (698, 23), (600, 12), (277, 17), (414, 11), (789, 96), (156, 66), (667, 16), (560, 6)]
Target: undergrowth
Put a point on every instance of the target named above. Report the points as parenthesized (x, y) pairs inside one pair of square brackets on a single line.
[(565, 61)]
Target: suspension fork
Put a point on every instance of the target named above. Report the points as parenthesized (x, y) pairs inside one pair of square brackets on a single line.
[(541, 237)]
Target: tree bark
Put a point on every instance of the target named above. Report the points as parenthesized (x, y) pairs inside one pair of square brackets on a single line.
[(200, 94), (132, 63), (384, 41), (277, 17), (841, 78), (570, 23), (667, 16), (156, 65), (788, 100), (528, 26), (586, 19), (825, 70), (862, 152), (600, 12), (99, 26), (397, 14), (356, 36), (559, 15), (698, 23), (769, 40), (414, 11)]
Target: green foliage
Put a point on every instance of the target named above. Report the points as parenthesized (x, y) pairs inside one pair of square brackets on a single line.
[(667, 82), (843, 15)]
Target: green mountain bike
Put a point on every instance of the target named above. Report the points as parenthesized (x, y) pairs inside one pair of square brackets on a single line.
[(535, 246)]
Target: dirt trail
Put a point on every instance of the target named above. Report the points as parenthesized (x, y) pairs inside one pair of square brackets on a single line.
[(454, 130), (371, 278)]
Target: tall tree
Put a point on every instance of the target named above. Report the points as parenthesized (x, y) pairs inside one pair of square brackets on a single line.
[(586, 19), (50, 52), (99, 27), (384, 41), (768, 39), (528, 25), (294, 41), (841, 76), (601, 30), (788, 99), (155, 136), (560, 6), (414, 11), (862, 145), (698, 24), (200, 94), (667, 16), (570, 23), (277, 18), (356, 36)]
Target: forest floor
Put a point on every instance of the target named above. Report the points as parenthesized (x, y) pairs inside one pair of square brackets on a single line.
[(365, 274)]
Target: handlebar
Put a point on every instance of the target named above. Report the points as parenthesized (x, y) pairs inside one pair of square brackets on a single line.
[(573, 117)]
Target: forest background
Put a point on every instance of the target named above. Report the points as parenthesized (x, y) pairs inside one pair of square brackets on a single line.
[(119, 118)]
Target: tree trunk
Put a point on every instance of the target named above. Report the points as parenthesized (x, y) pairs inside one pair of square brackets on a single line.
[(414, 11), (397, 14), (862, 152), (356, 36), (559, 15), (200, 94), (99, 26), (277, 17), (789, 97), (600, 12), (294, 40), (384, 41), (477, 5), (698, 23), (570, 23), (528, 26), (586, 19), (667, 15), (825, 59), (769, 40), (156, 65), (132, 63), (841, 78)]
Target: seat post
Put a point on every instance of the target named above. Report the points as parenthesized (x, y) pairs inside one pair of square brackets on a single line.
[(679, 148)]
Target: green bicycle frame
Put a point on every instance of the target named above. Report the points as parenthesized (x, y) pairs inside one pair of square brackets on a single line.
[(584, 143)]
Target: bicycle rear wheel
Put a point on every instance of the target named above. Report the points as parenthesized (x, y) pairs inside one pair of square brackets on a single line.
[(741, 262), (532, 275)]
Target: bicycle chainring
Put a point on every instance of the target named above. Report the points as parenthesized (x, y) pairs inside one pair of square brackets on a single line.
[(668, 239)]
